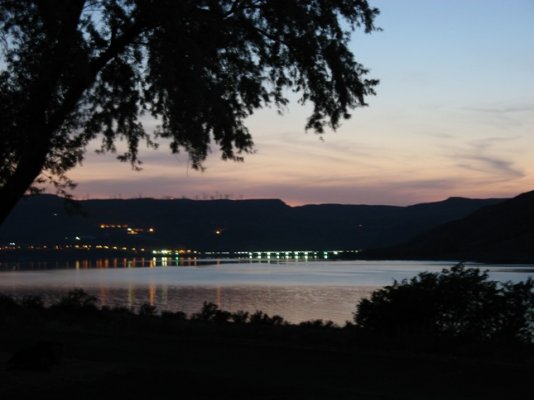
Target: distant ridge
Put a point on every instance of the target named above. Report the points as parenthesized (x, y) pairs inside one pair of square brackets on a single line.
[(249, 225), (502, 232)]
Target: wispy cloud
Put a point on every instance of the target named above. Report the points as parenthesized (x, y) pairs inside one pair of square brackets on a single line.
[(501, 110), (486, 143), (493, 165), (492, 156), (502, 116)]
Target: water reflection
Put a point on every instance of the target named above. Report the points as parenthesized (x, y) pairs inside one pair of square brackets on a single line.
[(106, 263), (296, 290), (294, 303), (136, 262)]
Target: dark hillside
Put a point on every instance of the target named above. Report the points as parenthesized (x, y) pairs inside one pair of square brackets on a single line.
[(502, 232), (228, 224)]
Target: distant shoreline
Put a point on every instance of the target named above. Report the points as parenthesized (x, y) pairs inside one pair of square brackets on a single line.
[(50, 255)]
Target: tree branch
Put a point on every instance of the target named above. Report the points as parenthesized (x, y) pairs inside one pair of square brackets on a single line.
[(92, 69)]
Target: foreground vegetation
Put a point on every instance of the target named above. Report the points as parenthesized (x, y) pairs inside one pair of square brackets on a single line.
[(460, 304), (453, 334)]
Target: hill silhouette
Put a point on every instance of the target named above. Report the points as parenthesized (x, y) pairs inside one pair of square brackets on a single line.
[(502, 232), (229, 224)]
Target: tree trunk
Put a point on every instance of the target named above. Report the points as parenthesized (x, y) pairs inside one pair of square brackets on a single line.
[(43, 122), (60, 22), (28, 169)]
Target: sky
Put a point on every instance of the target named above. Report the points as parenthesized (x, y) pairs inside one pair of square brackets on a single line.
[(453, 116)]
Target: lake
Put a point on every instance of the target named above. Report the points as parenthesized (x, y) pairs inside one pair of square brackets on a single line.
[(298, 290)]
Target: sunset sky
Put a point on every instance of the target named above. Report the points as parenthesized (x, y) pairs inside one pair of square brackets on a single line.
[(453, 116)]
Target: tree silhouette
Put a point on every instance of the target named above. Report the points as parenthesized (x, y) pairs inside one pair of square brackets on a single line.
[(459, 304), (75, 70)]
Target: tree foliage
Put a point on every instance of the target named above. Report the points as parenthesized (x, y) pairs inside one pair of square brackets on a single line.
[(458, 303), (75, 70)]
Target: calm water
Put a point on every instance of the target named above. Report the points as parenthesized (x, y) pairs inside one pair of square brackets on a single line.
[(297, 290)]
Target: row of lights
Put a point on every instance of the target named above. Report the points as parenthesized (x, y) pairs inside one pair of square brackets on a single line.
[(129, 230), (167, 252), (71, 246)]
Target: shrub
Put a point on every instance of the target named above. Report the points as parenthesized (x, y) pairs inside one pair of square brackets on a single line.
[(118, 311), (178, 315), (146, 310), (459, 303), (211, 312), (317, 323), (240, 317), (77, 299), (32, 302), (261, 318)]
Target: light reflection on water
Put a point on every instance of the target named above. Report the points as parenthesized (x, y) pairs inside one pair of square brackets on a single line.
[(294, 303), (298, 291), (115, 262)]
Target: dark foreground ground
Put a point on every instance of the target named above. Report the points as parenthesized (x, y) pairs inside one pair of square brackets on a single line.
[(150, 359)]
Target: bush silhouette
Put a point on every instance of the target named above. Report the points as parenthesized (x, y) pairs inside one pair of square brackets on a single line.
[(77, 300), (460, 303), (240, 317), (178, 315), (146, 310), (317, 323), (261, 318), (32, 302), (211, 312)]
